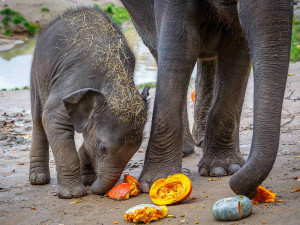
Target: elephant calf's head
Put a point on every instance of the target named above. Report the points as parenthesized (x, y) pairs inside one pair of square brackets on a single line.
[(111, 137)]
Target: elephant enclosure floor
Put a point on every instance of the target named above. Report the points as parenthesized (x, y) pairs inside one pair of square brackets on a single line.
[(22, 203)]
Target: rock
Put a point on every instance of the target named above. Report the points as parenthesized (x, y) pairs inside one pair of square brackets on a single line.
[(20, 139), (3, 136), (27, 121)]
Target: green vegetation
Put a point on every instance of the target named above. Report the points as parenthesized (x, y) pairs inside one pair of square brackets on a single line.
[(11, 16), (118, 14), (150, 84), (45, 9), (3, 89), (25, 88), (295, 45)]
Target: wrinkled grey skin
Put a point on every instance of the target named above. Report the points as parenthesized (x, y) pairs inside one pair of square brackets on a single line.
[(224, 36), (80, 69)]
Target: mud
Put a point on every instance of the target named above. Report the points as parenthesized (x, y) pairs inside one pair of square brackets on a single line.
[(22, 203)]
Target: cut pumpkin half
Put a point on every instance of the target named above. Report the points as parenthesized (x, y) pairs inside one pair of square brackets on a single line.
[(174, 189)]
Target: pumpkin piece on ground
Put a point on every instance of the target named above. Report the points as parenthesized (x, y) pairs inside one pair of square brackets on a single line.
[(263, 195), (174, 189), (131, 180), (123, 191), (145, 213), (232, 208)]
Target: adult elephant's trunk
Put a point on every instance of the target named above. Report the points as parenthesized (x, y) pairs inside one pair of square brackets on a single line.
[(268, 26)]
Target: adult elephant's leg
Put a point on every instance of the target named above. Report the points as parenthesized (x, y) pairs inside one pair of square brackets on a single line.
[(204, 88), (188, 144), (221, 154), (177, 54), (268, 26)]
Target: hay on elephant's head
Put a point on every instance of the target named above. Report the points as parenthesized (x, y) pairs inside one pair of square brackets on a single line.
[(88, 29)]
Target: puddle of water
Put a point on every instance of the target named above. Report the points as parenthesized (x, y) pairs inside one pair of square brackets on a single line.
[(15, 64)]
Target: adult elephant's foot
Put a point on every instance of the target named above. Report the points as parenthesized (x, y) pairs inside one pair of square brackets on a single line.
[(71, 190), (153, 172), (221, 165), (188, 146), (39, 175)]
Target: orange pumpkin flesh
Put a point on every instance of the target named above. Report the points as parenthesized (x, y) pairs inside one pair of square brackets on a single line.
[(131, 180), (145, 213), (193, 96), (174, 189), (263, 195), (129, 187)]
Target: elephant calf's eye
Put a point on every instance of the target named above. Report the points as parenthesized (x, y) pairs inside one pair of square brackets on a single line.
[(102, 150)]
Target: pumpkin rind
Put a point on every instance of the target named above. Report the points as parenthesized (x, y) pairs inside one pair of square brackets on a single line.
[(174, 189), (232, 208), (122, 191), (132, 180), (129, 214)]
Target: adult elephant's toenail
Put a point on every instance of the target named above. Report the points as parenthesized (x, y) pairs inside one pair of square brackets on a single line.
[(218, 172), (203, 171), (233, 168)]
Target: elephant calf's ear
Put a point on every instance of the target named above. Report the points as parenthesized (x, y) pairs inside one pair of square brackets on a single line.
[(80, 105)]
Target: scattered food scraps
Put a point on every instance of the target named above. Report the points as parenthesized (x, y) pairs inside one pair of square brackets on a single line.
[(263, 222), (279, 200), (291, 74), (171, 216), (32, 208), (75, 202), (140, 151), (20, 164), (129, 187), (192, 197), (263, 195), (145, 213), (175, 188), (213, 179), (295, 190), (115, 222)]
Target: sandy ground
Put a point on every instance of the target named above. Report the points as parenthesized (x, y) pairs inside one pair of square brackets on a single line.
[(22, 203)]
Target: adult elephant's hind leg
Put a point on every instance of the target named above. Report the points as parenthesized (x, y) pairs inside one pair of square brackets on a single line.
[(188, 144), (39, 156), (204, 89), (221, 154)]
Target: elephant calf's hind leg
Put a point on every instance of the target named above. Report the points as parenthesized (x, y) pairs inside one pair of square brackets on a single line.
[(39, 156)]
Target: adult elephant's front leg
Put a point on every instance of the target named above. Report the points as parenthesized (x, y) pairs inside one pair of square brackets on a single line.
[(177, 55), (221, 154)]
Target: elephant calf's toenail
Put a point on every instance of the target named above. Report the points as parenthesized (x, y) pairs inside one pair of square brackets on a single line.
[(218, 171)]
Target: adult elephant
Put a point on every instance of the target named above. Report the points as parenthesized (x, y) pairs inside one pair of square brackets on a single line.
[(224, 36)]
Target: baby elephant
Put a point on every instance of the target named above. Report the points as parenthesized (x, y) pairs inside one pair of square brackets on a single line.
[(82, 80)]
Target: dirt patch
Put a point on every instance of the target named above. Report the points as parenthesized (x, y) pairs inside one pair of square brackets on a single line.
[(22, 203)]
